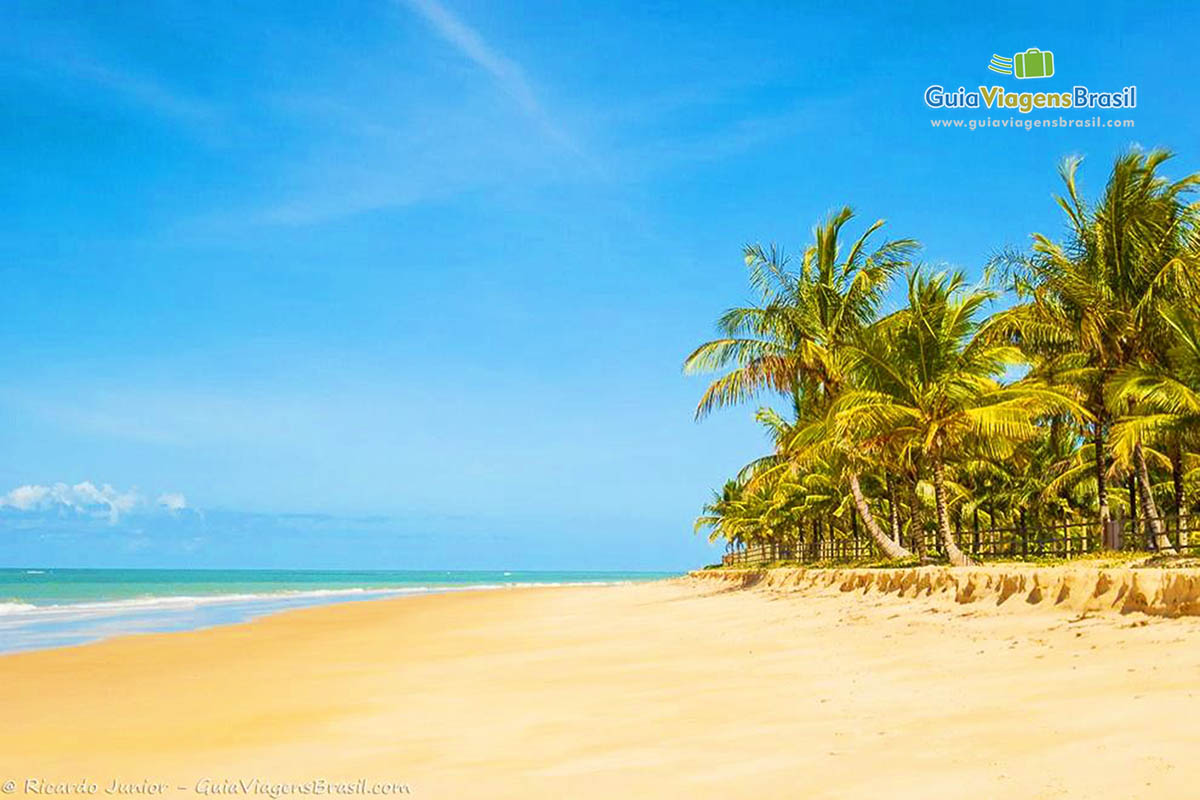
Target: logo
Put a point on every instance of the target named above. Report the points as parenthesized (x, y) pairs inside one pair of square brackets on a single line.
[(1033, 63)]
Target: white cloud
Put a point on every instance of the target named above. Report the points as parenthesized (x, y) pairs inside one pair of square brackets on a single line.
[(26, 498), (172, 501), (85, 498)]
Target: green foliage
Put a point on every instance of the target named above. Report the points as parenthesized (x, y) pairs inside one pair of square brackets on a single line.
[(912, 424)]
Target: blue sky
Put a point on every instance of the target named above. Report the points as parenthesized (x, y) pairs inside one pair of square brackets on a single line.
[(408, 284)]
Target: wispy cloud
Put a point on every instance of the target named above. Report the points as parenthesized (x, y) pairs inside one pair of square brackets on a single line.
[(508, 74), (141, 89), (375, 156), (57, 54), (86, 498), (383, 143)]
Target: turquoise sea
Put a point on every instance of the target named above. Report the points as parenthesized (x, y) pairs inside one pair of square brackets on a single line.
[(57, 607)]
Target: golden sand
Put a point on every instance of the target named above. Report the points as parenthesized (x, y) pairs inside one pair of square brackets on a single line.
[(693, 688)]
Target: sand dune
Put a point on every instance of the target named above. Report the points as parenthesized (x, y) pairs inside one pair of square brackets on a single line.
[(692, 688)]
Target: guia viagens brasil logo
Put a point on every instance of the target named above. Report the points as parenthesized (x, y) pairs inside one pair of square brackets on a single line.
[(1026, 65)]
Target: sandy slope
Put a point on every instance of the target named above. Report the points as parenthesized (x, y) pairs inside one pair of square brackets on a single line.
[(687, 689), (1080, 588)]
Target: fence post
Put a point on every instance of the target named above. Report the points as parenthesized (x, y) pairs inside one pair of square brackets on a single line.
[(1134, 529), (1114, 533), (993, 525), (854, 530), (975, 532)]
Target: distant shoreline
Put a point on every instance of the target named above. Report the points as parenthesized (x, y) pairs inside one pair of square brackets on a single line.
[(41, 608)]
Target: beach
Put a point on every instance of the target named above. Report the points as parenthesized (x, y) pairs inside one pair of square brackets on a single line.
[(683, 688)]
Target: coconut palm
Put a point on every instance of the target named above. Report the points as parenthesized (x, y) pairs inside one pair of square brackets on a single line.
[(793, 340), (1166, 398), (721, 514), (926, 382), (1090, 305), (815, 441), (911, 410)]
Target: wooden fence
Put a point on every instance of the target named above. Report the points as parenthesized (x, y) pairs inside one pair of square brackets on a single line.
[(823, 543)]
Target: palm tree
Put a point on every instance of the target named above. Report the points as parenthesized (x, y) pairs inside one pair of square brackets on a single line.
[(926, 382), (721, 514), (1089, 304), (911, 407), (1167, 399), (815, 441), (793, 340)]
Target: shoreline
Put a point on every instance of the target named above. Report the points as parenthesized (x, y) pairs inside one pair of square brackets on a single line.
[(56, 622), (681, 687)]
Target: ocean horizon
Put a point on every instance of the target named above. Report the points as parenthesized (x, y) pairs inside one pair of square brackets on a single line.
[(44, 607)]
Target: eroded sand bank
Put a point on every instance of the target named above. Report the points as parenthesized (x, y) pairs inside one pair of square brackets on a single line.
[(1084, 589), (693, 688)]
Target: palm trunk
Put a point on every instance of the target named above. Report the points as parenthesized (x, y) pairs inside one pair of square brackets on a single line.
[(1162, 542), (957, 557), (1101, 471), (1180, 500), (893, 512), (886, 546), (916, 525)]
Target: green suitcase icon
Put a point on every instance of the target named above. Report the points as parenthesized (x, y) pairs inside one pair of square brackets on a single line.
[(1033, 63)]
